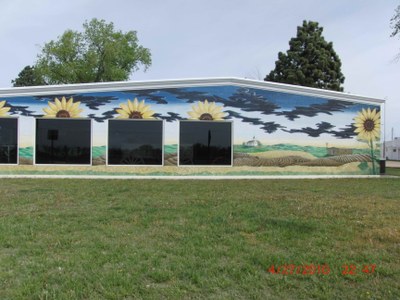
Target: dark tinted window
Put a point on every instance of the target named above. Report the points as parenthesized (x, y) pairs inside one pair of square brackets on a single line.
[(63, 141), (205, 143), (8, 140), (135, 142)]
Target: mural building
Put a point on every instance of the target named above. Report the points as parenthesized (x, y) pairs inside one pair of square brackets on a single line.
[(205, 127)]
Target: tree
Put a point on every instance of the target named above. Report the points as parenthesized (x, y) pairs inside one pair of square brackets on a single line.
[(99, 53), (395, 23), (310, 61), (28, 77)]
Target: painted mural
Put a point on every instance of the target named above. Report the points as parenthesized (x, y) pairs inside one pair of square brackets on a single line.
[(274, 133)]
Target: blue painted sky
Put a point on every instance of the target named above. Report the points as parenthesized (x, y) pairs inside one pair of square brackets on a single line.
[(283, 101), (254, 111)]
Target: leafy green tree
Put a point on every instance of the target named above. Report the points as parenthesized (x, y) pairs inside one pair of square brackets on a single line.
[(98, 53), (310, 61), (28, 77)]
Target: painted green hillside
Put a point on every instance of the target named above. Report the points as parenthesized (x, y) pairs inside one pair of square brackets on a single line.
[(316, 151), (98, 151)]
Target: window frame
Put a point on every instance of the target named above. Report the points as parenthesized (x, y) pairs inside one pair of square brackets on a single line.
[(136, 120), (68, 120), (203, 121), (18, 135)]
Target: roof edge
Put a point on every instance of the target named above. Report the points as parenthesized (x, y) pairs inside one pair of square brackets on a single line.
[(188, 82)]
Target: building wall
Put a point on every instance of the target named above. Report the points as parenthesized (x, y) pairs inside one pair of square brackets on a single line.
[(296, 134), (393, 149)]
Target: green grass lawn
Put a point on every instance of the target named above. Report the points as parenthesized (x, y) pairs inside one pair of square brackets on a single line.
[(392, 171), (157, 239)]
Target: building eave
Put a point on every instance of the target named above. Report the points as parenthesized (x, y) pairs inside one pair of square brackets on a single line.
[(182, 83)]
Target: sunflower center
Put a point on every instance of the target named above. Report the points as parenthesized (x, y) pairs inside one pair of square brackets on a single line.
[(206, 116), (369, 125), (63, 114), (135, 115)]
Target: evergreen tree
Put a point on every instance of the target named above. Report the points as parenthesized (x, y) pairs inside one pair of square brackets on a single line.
[(310, 61), (28, 77)]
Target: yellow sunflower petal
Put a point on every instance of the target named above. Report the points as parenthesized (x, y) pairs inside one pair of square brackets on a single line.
[(373, 113), (359, 129), (360, 136), (359, 125), (211, 107), (125, 107), (2, 103), (196, 108), (135, 104), (140, 106), (201, 106), (359, 119), (130, 106), (376, 132), (219, 116), (49, 111), (217, 109), (193, 114), (148, 114), (64, 103), (52, 106), (58, 104), (377, 116), (123, 113), (76, 113), (145, 108), (69, 104), (365, 136), (206, 106), (363, 113), (75, 106), (5, 109)]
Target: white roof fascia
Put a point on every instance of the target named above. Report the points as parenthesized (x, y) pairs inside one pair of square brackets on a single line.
[(182, 83)]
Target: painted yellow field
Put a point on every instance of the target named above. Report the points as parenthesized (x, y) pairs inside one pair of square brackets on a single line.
[(283, 153)]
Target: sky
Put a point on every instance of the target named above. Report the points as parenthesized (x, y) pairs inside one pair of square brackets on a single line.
[(220, 38)]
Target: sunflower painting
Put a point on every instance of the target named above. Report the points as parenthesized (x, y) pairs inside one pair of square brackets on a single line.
[(368, 128), (368, 124), (3, 109), (207, 111), (134, 110), (62, 109)]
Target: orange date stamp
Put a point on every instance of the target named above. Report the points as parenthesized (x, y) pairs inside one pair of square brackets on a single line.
[(324, 269)]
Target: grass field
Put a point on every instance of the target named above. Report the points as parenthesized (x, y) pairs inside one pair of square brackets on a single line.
[(157, 239), (392, 171)]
